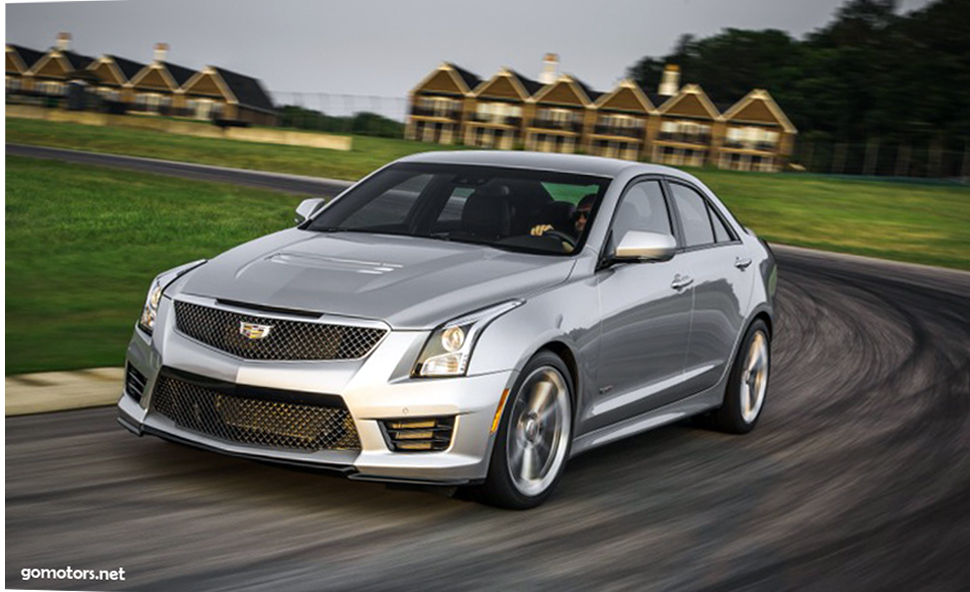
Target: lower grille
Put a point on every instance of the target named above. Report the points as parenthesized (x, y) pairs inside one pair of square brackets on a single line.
[(427, 434), (249, 415), (134, 383)]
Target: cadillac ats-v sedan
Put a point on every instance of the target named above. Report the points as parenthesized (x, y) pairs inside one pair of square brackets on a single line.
[(468, 319)]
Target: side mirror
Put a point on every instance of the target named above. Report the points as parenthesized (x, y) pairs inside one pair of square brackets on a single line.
[(307, 207), (645, 246)]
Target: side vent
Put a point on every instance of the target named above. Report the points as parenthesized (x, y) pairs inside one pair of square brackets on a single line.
[(426, 434), (134, 382)]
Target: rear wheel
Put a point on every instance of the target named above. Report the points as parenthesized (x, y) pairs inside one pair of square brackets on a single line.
[(747, 386), (534, 437)]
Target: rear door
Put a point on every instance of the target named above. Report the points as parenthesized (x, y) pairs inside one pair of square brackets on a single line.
[(719, 266), (645, 316)]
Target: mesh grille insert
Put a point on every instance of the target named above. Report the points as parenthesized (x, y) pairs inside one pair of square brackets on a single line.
[(275, 339), (261, 421)]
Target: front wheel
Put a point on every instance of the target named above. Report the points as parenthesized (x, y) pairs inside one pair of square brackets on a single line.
[(534, 437), (747, 386)]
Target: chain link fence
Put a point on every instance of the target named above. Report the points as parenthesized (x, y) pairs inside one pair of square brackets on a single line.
[(881, 158)]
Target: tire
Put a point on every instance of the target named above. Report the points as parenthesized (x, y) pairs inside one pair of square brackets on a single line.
[(529, 454), (747, 387)]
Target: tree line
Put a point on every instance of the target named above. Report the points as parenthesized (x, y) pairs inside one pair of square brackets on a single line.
[(869, 73)]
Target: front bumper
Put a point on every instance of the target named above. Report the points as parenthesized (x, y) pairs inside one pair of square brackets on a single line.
[(379, 387)]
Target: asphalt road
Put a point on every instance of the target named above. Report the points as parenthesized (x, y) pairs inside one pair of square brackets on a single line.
[(298, 184), (857, 478)]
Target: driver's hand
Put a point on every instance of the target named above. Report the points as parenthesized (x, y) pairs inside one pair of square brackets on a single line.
[(540, 229)]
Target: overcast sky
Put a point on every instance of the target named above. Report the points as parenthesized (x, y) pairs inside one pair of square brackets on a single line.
[(384, 47)]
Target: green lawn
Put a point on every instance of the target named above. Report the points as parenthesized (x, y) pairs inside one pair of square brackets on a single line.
[(922, 223), (919, 223), (83, 243), (367, 153)]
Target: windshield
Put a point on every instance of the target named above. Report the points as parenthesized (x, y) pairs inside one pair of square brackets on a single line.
[(515, 209)]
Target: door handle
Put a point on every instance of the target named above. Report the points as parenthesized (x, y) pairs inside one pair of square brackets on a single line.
[(742, 264), (681, 282)]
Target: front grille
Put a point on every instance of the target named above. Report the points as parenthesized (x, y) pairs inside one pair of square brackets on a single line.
[(283, 340), (426, 434), (262, 417), (134, 383)]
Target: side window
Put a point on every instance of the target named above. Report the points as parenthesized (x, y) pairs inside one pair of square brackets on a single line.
[(643, 208), (722, 233), (693, 215)]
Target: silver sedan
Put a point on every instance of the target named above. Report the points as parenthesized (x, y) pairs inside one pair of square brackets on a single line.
[(471, 319)]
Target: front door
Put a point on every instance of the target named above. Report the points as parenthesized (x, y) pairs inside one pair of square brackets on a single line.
[(645, 312)]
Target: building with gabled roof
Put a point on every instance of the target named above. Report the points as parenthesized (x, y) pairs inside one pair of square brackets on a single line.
[(757, 134), (439, 104), (59, 66), (564, 109), (217, 93), (157, 88), (112, 73), (686, 128), (19, 61), (501, 104), (678, 125), (622, 122)]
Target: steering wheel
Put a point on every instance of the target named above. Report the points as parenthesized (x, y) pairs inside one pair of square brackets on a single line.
[(564, 237)]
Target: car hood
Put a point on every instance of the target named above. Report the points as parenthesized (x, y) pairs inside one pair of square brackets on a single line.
[(409, 282)]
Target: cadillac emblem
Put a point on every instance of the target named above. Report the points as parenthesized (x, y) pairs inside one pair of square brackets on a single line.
[(254, 331)]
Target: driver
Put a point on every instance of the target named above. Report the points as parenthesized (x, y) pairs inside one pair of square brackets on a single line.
[(580, 217)]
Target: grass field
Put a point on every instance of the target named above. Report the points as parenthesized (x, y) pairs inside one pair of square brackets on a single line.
[(367, 153), (922, 223), (83, 243)]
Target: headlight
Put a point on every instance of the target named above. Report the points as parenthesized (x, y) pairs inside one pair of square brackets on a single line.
[(147, 320), (450, 346)]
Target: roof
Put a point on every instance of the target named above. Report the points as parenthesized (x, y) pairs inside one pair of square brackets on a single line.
[(567, 163), (471, 80), (77, 61), (531, 86), (127, 67), (658, 99), (592, 94), (181, 74), (29, 56), (248, 91)]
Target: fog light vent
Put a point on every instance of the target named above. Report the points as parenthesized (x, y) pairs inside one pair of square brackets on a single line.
[(134, 382), (425, 434)]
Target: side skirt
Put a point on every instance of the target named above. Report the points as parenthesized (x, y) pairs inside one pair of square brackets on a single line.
[(692, 405)]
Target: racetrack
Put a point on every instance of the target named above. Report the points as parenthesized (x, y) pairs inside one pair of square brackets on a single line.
[(857, 478), (295, 184)]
